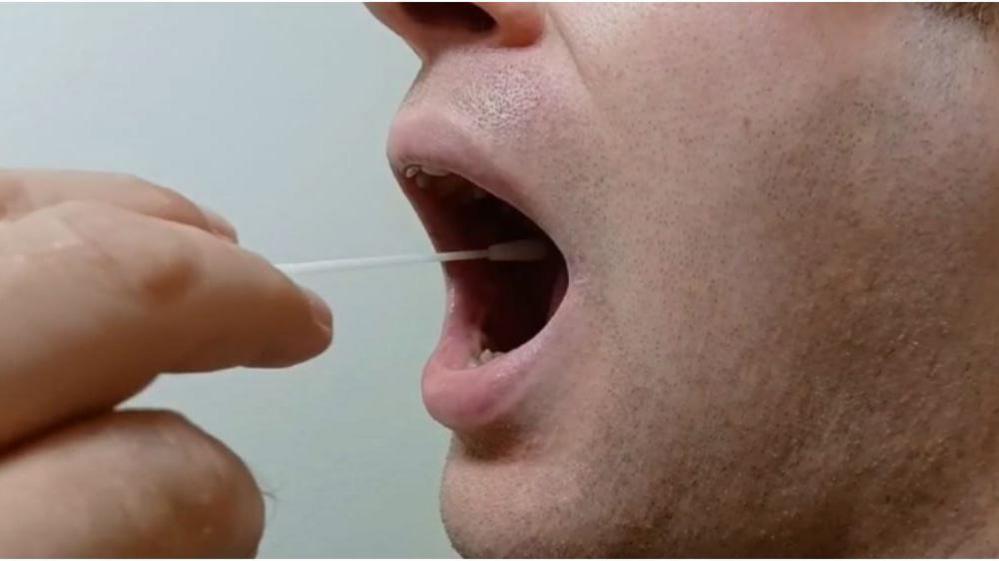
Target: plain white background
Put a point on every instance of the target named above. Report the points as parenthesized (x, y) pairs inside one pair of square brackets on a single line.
[(276, 117)]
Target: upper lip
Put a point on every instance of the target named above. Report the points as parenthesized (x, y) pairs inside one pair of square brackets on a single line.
[(427, 139)]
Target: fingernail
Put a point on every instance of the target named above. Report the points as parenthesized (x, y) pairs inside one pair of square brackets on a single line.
[(321, 313), (220, 225)]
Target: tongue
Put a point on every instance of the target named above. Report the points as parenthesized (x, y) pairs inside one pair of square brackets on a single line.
[(558, 292)]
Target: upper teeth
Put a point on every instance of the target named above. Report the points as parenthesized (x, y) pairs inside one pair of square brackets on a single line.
[(413, 170), (423, 177), (434, 171)]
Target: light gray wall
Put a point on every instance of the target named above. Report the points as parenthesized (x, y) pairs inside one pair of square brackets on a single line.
[(275, 116)]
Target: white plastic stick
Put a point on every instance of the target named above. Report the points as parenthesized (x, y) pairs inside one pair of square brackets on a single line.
[(520, 250)]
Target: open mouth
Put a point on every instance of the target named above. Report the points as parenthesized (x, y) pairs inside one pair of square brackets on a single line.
[(498, 305)]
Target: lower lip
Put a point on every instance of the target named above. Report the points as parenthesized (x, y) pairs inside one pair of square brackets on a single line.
[(469, 400)]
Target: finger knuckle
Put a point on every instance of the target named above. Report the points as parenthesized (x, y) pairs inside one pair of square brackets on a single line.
[(170, 271)]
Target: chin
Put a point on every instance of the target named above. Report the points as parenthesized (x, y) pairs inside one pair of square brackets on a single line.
[(532, 509)]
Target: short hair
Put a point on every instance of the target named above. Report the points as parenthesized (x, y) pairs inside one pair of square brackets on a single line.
[(985, 14)]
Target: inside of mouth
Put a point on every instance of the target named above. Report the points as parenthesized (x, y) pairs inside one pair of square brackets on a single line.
[(504, 303)]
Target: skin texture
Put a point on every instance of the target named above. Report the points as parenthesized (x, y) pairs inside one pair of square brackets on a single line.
[(107, 281), (783, 227)]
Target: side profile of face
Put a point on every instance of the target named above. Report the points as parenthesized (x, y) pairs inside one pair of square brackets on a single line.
[(780, 331)]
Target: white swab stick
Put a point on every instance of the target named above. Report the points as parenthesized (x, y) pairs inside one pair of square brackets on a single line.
[(520, 250)]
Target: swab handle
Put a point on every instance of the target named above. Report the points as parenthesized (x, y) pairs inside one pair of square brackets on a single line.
[(520, 250)]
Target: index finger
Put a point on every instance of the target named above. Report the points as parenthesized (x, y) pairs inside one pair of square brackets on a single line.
[(98, 300)]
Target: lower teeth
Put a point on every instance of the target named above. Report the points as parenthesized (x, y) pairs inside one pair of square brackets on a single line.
[(483, 357)]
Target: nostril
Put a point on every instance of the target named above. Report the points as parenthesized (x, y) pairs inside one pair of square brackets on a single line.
[(450, 15)]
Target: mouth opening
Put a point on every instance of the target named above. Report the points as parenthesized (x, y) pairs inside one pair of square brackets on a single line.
[(504, 304)]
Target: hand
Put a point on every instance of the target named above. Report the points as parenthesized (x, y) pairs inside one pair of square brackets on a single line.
[(105, 282)]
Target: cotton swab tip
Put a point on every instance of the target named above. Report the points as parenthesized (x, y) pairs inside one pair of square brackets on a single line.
[(520, 250)]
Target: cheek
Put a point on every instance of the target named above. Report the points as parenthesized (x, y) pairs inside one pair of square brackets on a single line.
[(720, 158), (682, 119)]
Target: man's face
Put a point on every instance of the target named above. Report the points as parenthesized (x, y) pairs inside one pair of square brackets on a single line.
[(781, 231)]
